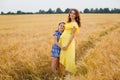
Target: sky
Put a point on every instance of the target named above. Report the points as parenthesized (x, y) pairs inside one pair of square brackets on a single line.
[(36, 5)]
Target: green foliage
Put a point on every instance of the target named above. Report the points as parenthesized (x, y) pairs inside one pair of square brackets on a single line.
[(59, 11)]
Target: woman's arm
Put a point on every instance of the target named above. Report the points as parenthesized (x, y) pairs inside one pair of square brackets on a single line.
[(55, 42), (71, 38)]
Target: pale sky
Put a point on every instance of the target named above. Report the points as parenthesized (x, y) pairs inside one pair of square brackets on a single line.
[(35, 5)]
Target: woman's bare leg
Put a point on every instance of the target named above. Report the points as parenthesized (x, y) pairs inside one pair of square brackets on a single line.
[(62, 70)]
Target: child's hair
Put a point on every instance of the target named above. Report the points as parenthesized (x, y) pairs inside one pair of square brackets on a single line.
[(61, 23)]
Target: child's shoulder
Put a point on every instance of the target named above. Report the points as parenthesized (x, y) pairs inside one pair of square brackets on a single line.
[(56, 32)]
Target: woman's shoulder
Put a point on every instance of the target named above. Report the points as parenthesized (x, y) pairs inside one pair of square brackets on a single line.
[(74, 24)]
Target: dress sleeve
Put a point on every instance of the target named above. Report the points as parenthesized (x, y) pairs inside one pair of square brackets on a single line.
[(55, 33), (76, 26)]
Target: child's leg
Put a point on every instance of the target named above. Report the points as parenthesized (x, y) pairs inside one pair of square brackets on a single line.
[(55, 63)]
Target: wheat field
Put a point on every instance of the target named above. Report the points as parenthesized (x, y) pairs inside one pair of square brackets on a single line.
[(26, 40)]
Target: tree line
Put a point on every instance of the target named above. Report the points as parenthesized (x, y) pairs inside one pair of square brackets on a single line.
[(101, 10), (60, 11)]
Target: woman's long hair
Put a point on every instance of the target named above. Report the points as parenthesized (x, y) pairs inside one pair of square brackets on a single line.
[(77, 18)]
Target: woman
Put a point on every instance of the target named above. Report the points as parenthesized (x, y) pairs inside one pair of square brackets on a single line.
[(67, 55)]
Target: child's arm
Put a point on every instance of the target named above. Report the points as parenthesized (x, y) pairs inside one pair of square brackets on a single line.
[(55, 42)]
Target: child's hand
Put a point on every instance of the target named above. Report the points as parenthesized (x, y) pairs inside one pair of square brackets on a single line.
[(64, 48)]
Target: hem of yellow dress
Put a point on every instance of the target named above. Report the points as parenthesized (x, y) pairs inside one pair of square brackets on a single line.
[(68, 70)]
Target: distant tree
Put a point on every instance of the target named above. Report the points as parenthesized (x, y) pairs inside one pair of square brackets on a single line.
[(2, 12), (50, 11), (96, 10), (86, 10), (41, 12), (19, 12), (10, 12), (91, 10), (101, 10), (116, 10), (106, 10), (67, 10), (27, 13), (58, 10), (112, 11), (81, 12)]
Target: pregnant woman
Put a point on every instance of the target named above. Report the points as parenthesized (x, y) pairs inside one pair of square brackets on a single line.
[(67, 55)]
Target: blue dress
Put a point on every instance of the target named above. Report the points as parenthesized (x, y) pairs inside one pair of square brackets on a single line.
[(56, 49)]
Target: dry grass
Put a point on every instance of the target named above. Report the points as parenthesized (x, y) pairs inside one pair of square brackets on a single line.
[(25, 47)]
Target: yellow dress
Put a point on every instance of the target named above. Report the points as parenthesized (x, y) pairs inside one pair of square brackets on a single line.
[(67, 57)]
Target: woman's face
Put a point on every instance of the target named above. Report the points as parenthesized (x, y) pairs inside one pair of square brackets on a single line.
[(61, 27), (72, 14)]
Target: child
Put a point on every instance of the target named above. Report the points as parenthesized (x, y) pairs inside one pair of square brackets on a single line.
[(56, 47)]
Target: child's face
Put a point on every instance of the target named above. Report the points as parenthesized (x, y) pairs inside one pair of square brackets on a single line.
[(61, 27)]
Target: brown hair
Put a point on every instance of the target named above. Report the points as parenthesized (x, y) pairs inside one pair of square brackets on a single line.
[(61, 23), (77, 18)]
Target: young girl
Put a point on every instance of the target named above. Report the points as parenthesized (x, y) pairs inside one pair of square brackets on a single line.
[(56, 47)]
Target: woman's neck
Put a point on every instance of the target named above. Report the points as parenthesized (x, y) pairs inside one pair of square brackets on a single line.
[(72, 20)]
